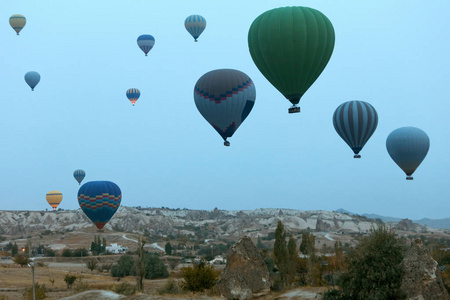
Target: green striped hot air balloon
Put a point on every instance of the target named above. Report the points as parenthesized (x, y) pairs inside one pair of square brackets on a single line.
[(291, 47)]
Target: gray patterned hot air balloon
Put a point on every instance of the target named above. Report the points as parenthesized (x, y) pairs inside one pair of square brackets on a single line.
[(408, 147), (355, 122), (225, 98)]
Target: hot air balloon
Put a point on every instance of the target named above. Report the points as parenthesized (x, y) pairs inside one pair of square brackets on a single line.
[(355, 122), (224, 98), (291, 47), (408, 147), (79, 175), (133, 95), (32, 78), (17, 22), (54, 198), (146, 43), (195, 24), (99, 200)]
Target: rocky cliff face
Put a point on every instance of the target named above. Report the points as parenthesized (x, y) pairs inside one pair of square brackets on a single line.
[(246, 273), (164, 221), (422, 276)]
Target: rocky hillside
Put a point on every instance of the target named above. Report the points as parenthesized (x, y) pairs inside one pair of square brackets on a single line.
[(211, 224)]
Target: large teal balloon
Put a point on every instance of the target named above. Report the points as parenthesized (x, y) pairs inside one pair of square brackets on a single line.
[(99, 200), (291, 47), (408, 147)]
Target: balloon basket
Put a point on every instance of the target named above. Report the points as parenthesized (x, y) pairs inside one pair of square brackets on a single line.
[(294, 109), (356, 156), (409, 178), (226, 143)]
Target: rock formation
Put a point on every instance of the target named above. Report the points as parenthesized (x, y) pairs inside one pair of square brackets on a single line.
[(422, 277), (246, 273)]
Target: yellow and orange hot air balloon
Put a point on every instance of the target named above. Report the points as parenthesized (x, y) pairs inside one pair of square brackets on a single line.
[(54, 198)]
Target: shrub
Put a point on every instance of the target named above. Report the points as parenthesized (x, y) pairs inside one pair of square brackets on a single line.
[(21, 260), (125, 288), (154, 267), (198, 278), (124, 267), (39, 290), (91, 264), (170, 287), (70, 279)]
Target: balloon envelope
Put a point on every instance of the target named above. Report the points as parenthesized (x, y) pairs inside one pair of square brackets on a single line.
[(225, 98), (146, 43), (79, 175), (32, 78), (99, 200), (291, 47), (195, 24), (17, 22), (408, 147), (54, 198), (355, 122), (133, 95)]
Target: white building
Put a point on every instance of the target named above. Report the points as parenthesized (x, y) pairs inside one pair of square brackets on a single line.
[(116, 249)]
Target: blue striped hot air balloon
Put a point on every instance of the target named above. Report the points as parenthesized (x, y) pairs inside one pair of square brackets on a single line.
[(225, 98), (79, 175), (32, 78), (99, 200), (133, 95), (408, 147), (146, 43), (355, 122), (195, 24)]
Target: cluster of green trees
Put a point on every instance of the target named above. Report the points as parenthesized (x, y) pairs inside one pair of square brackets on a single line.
[(98, 246), (154, 267)]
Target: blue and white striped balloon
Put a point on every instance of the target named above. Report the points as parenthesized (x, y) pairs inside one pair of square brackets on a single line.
[(355, 122), (408, 147), (225, 98), (146, 43), (195, 24)]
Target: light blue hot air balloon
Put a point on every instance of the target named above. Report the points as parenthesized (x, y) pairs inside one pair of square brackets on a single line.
[(146, 43), (79, 175), (225, 98), (408, 147), (195, 24), (99, 200), (32, 78), (355, 122)]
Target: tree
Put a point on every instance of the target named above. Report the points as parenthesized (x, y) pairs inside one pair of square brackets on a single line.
[(14, 250), (140, 268), (307, 244), (154, 267), (70, 280), (92, 263), (280, 252), (198, 278), (292, 258), (373, 268), (21, 260), (168, 248), (124, 267), (39, 292)]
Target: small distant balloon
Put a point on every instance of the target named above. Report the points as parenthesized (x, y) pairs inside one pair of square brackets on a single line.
[(146, 43), (99, 200), (54, 198), (408, 147), (32, 78), (17, 22), (133, 95), (195, 24), (79, 175), (355, 122)]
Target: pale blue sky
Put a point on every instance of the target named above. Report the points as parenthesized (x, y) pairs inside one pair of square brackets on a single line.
[(392, 54)]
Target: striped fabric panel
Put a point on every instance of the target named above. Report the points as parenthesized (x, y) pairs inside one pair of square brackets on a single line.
[(355, 122)]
